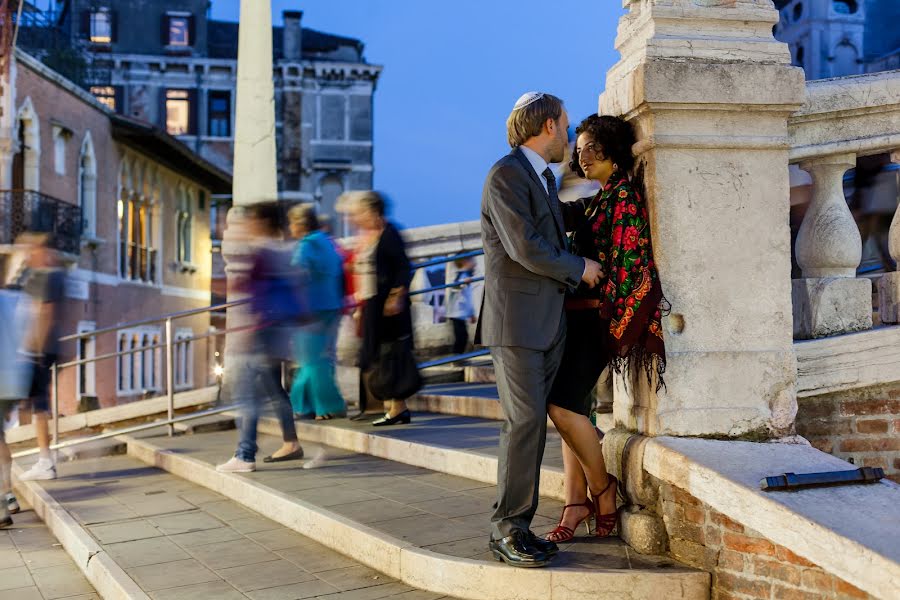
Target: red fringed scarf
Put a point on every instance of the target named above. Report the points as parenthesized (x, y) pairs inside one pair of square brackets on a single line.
[(633, 300)]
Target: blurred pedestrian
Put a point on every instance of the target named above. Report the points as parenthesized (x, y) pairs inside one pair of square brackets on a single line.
[(383, 277), (277, 306), (314, 389), (461, 310), (14, 383), (43, 280)]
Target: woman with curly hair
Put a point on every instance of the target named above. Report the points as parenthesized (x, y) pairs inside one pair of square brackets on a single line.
[(615, 324)]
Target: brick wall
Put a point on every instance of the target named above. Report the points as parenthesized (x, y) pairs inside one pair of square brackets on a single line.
[(862, 426), (744, 564)]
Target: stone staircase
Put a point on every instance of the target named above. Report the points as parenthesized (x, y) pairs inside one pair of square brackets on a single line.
[(407, 506)]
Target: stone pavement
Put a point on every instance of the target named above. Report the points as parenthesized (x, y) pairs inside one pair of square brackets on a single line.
[(33, 566), (178, 541)]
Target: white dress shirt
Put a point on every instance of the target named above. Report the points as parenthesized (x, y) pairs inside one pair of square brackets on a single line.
[(537, 163)]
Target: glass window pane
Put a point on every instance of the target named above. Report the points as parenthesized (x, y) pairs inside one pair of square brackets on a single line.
[(178, 111), (101, 27), (178, 31)]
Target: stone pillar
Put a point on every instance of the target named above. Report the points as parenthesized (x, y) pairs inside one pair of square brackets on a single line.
[(829, 299), (709, 91), (254, 151), (889, 284)]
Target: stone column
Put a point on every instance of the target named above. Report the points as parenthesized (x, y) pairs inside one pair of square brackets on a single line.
[(254, 151), (889, 284), (829, 299), (709, 91)]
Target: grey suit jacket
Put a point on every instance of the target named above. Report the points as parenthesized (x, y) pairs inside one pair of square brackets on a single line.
[(527, 270)]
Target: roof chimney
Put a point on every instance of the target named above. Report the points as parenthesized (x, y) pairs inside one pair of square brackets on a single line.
[(293, 35)]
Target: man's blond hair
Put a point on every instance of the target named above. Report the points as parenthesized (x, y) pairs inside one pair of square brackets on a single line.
[(527, 122)]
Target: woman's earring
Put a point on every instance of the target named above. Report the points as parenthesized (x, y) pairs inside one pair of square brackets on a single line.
[(615, 166)]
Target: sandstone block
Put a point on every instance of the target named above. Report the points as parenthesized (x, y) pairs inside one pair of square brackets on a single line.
[(889, 298), (831, 306), (644, 532)]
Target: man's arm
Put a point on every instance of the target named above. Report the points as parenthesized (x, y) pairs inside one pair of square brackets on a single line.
[(507, 204)]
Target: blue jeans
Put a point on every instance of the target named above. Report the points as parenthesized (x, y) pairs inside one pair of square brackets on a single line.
[(259, 379)]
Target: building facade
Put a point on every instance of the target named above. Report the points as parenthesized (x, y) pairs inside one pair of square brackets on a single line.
[(129, 207), (169, 64)]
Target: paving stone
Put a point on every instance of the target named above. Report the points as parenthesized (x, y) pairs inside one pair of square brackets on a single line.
[(32, 538), (426, 530), (61, 581), (253, 525), (25, 593), (168, 575), (278, 539), (185, 522), (232, 554), (199, 496), (260, 576), (333, 496), (295, 591), (214, 590), (373, 511), (207, 536), (466, 548), (352, 578), (370, 593), (315, 561), (227, 510), (148, 505), (124, 532), (51, 557), (16, 577), (145, 552), (10, 558), (460, 505)]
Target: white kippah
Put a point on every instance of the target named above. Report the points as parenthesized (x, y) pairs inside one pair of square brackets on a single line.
[(527, 98)]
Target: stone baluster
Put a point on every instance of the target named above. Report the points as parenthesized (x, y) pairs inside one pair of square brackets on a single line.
[(829, 299), (889, 284)]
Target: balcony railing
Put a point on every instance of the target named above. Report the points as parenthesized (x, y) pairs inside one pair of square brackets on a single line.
[(27, 210)]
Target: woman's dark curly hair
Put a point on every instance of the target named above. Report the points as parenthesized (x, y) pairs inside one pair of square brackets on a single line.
[(614, 135)]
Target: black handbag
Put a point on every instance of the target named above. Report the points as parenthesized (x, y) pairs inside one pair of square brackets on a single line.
[(395, 375)]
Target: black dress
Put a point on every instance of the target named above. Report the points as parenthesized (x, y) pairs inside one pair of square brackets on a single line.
[(586, 351)]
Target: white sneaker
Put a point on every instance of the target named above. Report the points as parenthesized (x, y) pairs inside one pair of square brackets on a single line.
[(316, 461), (12, 504), (236, 465), (42, 470)]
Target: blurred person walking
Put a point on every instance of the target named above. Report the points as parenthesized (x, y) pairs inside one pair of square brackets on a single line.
[(277, 306), (321, 270), (383, 274), (43, 280), (461, 310)]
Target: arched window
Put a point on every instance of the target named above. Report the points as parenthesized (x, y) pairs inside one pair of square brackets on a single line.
[(87, 186), (27, 162), (801, 56), (845, 7), (798, 11), (123, 364), (846, 60), (134, 362), (184, 226)]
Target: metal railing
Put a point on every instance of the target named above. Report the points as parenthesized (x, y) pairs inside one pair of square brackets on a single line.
[(27, 210), (169, 343)]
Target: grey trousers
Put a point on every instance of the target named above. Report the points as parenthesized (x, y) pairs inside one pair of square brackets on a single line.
[(524, 378)]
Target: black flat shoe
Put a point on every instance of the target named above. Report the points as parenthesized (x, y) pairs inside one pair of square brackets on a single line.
[(405, 417), (546, 546), (295, 455), (7, 522), (516, 551)]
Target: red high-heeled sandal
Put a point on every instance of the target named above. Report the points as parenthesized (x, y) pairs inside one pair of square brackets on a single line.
[(606, 524), (563, 533)]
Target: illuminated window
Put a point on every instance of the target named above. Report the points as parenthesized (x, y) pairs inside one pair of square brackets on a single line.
[(178, 112), (106, 94), (101, 26), (220, 114), (179, 30)]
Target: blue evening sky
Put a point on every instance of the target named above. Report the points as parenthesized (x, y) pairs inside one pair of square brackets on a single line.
[(452, 71)]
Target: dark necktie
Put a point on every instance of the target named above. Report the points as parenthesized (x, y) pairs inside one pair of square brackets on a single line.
[(554, 204)]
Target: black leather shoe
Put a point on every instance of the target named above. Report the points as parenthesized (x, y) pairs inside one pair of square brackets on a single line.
[(7, 522), (515, 550), (405, 417), (546, 546)]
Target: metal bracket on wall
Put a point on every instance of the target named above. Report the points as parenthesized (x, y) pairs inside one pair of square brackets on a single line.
[(793, 481)]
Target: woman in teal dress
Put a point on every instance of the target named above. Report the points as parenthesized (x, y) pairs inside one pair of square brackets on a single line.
[(314, 390)]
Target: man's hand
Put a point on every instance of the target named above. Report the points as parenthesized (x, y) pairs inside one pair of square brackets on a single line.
[(592, 273)]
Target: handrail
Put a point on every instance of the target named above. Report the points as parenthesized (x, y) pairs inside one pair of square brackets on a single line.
[(445, 259), (452, 359), (444, 286)]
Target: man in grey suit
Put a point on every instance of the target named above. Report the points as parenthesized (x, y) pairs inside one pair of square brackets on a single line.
[(527, 274)]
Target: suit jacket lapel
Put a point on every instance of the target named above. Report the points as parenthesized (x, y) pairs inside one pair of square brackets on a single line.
[(554, 210)]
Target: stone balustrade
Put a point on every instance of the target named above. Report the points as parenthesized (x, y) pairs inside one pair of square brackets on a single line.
[(843, 118)]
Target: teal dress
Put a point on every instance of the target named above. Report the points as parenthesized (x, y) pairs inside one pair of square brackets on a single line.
[(314, 390)]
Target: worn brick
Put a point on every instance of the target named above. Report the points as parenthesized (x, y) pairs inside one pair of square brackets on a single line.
[(817, 580), (697, 516), (682, 497), (685, 531), (887, 444), (816, 409), (731, 561), (896, 425), (880, 406), (897, 463), (720, 519), (824, 444), (720, 594), (774, 569), (782, 592), (713, 536), (696, 555), (755, 588), (750, 545), (824, 427), (844, 590), (875, 461), (786, 555), (872, 425)]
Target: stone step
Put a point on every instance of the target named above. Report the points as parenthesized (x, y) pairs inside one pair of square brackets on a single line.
[(143, 533), (205, 424), (420, 526)]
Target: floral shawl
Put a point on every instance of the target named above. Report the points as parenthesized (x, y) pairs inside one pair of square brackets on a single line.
[(632, 299)]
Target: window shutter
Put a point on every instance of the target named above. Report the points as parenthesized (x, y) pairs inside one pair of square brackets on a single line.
[(192, 31), (164, 30), (119, 99), (113, 26), (86, 24), (192, 112)]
